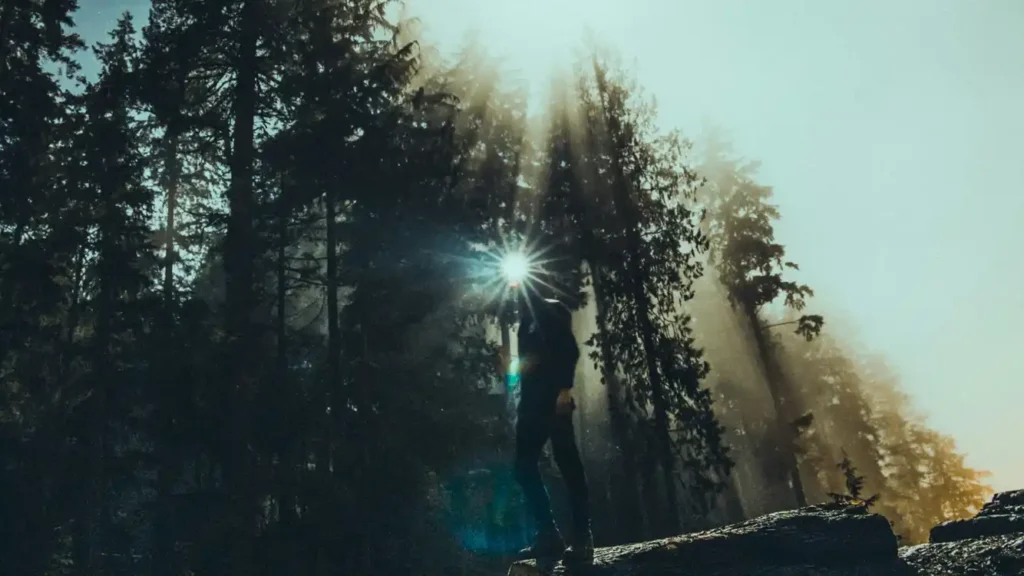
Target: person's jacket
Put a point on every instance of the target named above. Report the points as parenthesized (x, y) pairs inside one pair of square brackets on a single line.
[(548, 351)]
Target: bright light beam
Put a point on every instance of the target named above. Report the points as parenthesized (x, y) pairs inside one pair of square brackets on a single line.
[(534, 40), (516, 268)]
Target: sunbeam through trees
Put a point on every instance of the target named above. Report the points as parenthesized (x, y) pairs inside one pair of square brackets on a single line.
[(249, 323)]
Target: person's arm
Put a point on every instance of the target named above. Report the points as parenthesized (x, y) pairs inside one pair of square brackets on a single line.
[(503, 362), (567, 350)]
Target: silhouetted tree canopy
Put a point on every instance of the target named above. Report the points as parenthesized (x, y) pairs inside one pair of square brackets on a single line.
[(249, 323)]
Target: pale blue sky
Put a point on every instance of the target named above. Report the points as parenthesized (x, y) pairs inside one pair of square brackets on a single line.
[(891, 131)]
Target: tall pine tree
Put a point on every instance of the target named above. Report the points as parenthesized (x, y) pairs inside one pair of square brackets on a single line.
[(120, 258), (40, 236), (640, 199), (750, 265)]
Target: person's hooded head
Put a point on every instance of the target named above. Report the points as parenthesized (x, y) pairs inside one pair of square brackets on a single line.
[(538, 300), (539, 304)]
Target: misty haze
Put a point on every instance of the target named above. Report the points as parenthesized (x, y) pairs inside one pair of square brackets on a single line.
[(266, 267)]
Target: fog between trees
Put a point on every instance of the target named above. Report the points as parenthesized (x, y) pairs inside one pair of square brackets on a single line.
[(248, 327)]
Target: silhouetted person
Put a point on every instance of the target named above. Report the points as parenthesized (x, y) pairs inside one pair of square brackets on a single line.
[(548, 353)]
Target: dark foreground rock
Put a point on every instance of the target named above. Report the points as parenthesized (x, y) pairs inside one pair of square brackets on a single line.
[(1003, 515), (824, 540), (990, 543), (989, 555), (821, 541)]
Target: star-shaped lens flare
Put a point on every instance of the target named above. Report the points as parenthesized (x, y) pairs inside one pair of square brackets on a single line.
[(516, 268), (504, 273)]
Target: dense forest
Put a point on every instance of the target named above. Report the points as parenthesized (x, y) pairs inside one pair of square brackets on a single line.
[(250, 318)]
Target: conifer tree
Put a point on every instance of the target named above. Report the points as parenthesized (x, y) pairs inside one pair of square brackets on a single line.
[(120, 263), (184, 155), (564, 209), (647, 267), (40, 234), (854, 486), (241, 329), (750, 265)]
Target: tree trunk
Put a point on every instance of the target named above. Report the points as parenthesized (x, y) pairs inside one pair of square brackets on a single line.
[(87, 522), (506, 354), (330, 407), (334, 384), (239, 277), (163, 545), (6, 15), (662, 439), (287, 445), (734, 511), (8, 299), (332, 400), (785, 433), (93, 515), (173, 182), (629, 517)]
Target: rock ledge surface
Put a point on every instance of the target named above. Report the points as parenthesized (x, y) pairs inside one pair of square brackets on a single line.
[(821, 540)]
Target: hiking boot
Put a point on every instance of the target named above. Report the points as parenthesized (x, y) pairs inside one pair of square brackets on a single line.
[(548, 544), (582, 549)]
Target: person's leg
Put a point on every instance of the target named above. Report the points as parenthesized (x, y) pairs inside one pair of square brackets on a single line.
[(531, 434), (567, 456)]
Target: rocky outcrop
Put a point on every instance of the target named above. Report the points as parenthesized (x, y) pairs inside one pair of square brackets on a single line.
[(821, 541), (1003, 515), (990, 543), (986, 556)]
